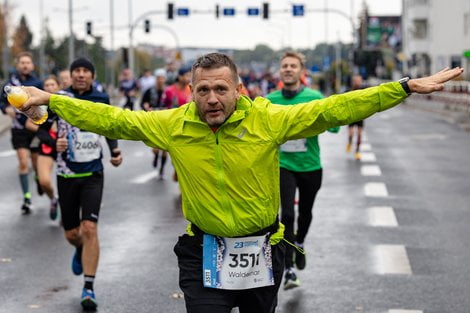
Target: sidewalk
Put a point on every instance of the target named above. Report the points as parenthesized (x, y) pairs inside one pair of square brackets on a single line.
[(5, 123), (451, 111)]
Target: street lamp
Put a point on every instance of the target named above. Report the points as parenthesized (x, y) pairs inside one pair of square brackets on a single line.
[(71, 42)]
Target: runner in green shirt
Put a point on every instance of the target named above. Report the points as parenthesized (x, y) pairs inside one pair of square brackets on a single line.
[(300, 166)]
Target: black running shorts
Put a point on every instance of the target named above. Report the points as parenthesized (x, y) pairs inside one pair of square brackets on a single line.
[(200, 299), (21, 138), (358, 124), (80, 199)]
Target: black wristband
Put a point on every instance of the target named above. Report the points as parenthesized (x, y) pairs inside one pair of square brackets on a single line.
[(404, 84)]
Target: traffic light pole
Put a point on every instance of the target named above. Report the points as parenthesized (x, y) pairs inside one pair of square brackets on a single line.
[(131, 35), (71, 35)]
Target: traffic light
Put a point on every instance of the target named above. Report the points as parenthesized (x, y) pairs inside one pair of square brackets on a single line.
[(125, 57), (217, 11), (147, 26), (170, 11), (89, 28), (265, 10)]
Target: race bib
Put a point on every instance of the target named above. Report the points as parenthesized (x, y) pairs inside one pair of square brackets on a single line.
[(86, 147), (237, 263), (299, 145)]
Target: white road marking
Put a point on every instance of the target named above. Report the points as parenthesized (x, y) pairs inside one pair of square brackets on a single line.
[(7, 153), (365, 147), (370, 170), (375, 190), (368, 157), (392, 259), (382, 216), (140, 153), (142, 179), (405, 311), (428, 137)]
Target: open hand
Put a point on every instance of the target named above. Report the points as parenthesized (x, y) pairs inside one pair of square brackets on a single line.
[(434, 82)]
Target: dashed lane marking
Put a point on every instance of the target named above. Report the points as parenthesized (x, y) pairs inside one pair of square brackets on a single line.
[(370, 170), (142, 179), (428, 137), (405, 311), (365, 147), (392, 259), (368, 157), (375, 190), (7, 153), (382, 216)]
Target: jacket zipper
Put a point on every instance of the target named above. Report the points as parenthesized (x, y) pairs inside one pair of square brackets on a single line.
[(221, 179)]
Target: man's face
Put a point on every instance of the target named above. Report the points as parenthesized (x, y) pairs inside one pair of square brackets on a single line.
[(82, 79), (185, 79), (291, 71), (215, 93), (25, 65), (160, 81), (65, 80)]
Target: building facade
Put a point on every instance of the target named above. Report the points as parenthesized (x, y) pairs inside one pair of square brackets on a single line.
[(436, 34)]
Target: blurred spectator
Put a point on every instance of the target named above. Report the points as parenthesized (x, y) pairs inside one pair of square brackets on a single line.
[(179, 93), (146, 81), (128, 88), (64, 79)]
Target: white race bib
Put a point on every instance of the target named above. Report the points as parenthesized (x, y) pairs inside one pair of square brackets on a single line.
[(237, 263), (299, 145), (86, 147)]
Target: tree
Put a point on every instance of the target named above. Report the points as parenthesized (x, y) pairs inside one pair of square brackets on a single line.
[(22, 37)]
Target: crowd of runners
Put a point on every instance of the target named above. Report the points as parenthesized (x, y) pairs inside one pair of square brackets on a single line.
[(250, 155)]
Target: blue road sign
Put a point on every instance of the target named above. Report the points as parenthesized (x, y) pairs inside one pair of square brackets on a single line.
[(298, 10), (182, 11), (253, 11), (229, 11)]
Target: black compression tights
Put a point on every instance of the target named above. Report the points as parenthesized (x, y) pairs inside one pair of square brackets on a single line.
[(308, 184)]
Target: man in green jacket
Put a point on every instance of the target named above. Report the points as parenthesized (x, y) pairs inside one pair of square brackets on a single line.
[(225, 149), (300, 166)]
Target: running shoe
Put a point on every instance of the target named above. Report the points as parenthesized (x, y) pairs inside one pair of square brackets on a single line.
[(300, 260), (77, 267), (26, 207), (357, 155), (290, 280), (348, 148), (53, 211), (89, 300)]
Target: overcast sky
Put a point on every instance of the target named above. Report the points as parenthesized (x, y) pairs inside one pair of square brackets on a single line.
[(203, 30)]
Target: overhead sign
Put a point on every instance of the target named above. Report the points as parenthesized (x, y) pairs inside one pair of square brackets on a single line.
[(253, 11), (229, 11), (182, 11), (298, 10)]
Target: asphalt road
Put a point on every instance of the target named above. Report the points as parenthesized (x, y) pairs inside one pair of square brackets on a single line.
[(398, 245)]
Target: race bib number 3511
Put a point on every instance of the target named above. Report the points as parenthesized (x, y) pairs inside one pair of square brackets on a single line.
[(237, 263)]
